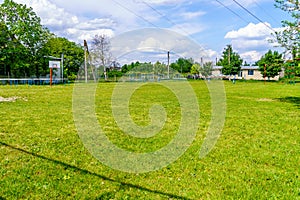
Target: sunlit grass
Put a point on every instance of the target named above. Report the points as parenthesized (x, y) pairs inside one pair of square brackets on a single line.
[(256, 157)]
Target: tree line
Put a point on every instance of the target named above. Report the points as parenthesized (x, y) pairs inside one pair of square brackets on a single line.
[(26, 45)]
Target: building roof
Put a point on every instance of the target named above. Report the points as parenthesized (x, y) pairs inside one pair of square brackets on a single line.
[(242, 67)]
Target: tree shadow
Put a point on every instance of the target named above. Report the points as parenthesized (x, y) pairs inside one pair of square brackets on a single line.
[(84, 171), (293, 100)]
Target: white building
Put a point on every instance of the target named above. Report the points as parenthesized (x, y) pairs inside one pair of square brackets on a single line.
[(246, 73)]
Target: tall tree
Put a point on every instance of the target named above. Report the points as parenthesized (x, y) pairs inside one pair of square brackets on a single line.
[(101, 52), (206, 69), (24, 29), (13, 55), (183, 65), (159, 68), (195, 69), (73, 54), (289, 38), (270, 64), (101, 49), (231, 61), (5, 46)]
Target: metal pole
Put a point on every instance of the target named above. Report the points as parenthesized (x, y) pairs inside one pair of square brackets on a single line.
[(168, 64), (85, 65), (265, 73), (50, 77), (62, 67)]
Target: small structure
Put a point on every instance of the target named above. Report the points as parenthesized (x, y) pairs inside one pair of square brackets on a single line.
[(246, 73)]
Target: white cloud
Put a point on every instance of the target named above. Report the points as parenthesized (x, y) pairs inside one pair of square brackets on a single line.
[(251, 56), (251, 31), (188, 28), (67, 24), (251, 41), (162, 2), (152, 45), (78, 20), (191, 15)]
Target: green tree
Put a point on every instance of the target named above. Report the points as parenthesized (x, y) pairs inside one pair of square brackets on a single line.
[(5, 47), (159, 68), (26, 34), (231, 61), (13, 55), (270, 64), (73, 55), (206, 69), (195, 69), (126, 68), (289, 38), (183, 65)]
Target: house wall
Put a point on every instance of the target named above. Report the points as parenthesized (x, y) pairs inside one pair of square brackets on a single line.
[(256, 75), (217, 71)]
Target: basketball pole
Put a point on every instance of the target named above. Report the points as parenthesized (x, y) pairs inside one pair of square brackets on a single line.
[(51, 77)]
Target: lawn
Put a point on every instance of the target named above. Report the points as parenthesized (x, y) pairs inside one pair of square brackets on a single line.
[(256, 157)]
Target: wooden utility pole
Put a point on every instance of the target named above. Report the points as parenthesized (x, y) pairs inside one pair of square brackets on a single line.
[(62, 68), (168, 64), (229, 54), (265, 72), (85, 60)]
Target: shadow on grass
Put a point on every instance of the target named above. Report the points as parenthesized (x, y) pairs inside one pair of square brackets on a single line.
[(92, 173), (293, 100)]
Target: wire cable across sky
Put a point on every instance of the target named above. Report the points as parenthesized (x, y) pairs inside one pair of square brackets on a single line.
[(269, 27)]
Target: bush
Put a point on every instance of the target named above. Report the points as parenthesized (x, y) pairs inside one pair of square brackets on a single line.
[(72, 78)]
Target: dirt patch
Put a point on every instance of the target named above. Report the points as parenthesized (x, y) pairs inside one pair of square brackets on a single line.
[(11, 99), (266, 100)]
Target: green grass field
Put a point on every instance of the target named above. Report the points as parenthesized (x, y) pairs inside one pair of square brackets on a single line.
[(256, 157)]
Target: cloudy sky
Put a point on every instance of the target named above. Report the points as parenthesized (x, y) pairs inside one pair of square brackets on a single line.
[(211, 24)]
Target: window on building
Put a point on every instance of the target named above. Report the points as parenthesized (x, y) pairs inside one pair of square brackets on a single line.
[(250, 72)]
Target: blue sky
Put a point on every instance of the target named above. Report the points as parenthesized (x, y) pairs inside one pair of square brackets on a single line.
[(211, 24)]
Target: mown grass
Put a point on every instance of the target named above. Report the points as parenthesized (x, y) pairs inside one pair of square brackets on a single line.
[(256, 157)]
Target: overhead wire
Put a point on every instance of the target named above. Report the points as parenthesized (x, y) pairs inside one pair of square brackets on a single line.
[(239, 16), (257, 18), (164, 16), (131, 11), (265, 11)]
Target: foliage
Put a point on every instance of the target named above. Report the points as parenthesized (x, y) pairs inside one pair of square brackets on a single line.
[(100, 51), (183, 65), (270, 64), (126, 68), (156, 68), (13, 55), (289, 38), (231, 61), (72, 78), (206, 69), (25, 36), (114, 73), (195, 68), (73, 54), (159, 68)]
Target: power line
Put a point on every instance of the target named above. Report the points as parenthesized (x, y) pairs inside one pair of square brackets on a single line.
[(247, 22), (164, 16), (267, 13), (158, 12), (139, 16), (254, 16)]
